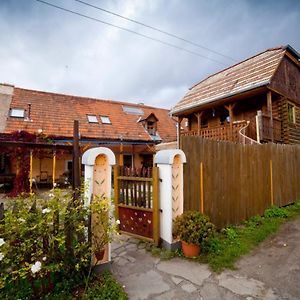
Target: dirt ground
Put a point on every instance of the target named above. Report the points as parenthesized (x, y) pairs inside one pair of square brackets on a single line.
[(276, 262)]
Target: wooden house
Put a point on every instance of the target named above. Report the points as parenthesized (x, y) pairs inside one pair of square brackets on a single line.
[(254, 101)]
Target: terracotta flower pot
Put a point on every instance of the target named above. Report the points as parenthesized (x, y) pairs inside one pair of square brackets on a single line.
[(99, 254), (190, 250)]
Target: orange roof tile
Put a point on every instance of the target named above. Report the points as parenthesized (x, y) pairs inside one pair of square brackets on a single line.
[(54, 114)]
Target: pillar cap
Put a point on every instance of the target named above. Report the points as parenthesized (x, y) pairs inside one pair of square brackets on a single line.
[(166, 157), (89, 156)]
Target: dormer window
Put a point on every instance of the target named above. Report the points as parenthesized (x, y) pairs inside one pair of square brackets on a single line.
[(150, 124), (17, 113), (92, 119), (151, 127)]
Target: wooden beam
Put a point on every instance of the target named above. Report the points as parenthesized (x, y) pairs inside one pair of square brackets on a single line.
[(230, 108), (121, 157), (270, 112), (179, 132), (199, 116), (76, 175), (53, 168), (30, 172)]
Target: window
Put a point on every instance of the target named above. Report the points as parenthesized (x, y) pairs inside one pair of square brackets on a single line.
[(105, 120), (291, 113), (151, 127), (17, 112), (92, 119), (132, 110)]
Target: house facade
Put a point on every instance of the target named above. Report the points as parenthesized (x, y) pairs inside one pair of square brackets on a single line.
[(46, 119), (254, 101)]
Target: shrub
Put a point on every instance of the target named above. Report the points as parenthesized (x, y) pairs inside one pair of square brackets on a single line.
[(193, 228), (276, 212), (45, 242)]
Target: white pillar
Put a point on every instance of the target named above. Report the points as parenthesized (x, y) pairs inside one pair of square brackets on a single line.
[(170, 164), (98, 163)]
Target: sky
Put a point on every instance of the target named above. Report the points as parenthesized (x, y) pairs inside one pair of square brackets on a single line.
[(44, 48)]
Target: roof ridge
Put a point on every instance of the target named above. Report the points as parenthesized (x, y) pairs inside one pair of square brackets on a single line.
[(93, 99), (238, 63)]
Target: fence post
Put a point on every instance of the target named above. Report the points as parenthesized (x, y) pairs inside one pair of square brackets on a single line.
[(271, 182), (98, 163), (170, 166)]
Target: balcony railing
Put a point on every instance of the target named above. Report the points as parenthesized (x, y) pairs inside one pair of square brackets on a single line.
[(223, 132)]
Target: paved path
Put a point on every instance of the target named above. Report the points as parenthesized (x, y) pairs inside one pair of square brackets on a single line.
[(147, 277)]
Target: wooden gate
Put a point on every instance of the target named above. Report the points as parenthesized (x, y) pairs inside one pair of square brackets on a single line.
[(136, 202)]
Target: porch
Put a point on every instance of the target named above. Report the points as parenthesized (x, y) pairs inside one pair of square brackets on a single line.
[(260, 129), (223, 132)]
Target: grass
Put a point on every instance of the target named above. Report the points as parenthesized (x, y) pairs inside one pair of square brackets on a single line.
[(100, 288), (232, 242), (104, 287)]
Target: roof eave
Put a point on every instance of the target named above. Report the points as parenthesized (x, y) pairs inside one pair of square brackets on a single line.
[(196, 104)]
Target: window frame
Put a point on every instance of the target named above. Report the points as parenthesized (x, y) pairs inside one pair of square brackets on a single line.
[(17, 115), (102, 119), (95, 121), (292, 113)]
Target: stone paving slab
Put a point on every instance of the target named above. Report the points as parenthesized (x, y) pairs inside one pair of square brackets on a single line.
[(151, 278)]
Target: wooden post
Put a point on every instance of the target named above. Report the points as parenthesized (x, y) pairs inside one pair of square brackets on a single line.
[(179, 132), (271, 182), (53, 168), (30, 172), (116, 190), (76, 175), (121, 157), (133, 158), (270, 112), (201, 189), (155, 206), (199, 116), (230, 108), (258, 119)]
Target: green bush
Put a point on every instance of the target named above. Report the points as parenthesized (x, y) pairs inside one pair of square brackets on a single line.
[(44, 244), (193, 227), (106, 288), (276, 212)]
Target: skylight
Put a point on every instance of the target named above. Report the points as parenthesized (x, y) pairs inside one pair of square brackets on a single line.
[(105, 120), (132, 110), (92, 119), (17, 112)]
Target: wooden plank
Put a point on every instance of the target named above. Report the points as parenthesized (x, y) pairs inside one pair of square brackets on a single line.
[(201, 189), (135, 207), (128, 178)]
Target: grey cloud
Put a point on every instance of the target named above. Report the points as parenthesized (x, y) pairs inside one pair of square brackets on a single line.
[(43, 48)]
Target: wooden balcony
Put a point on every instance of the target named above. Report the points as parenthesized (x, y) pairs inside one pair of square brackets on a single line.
[(222, 132)]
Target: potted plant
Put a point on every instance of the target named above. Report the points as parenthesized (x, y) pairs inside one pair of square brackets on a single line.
[(192, 228)]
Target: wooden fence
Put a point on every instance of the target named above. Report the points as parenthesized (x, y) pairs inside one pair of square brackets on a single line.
[(232, 182)]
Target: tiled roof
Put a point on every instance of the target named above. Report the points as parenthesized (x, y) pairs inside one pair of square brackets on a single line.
[(54, 114), (246, 75)]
